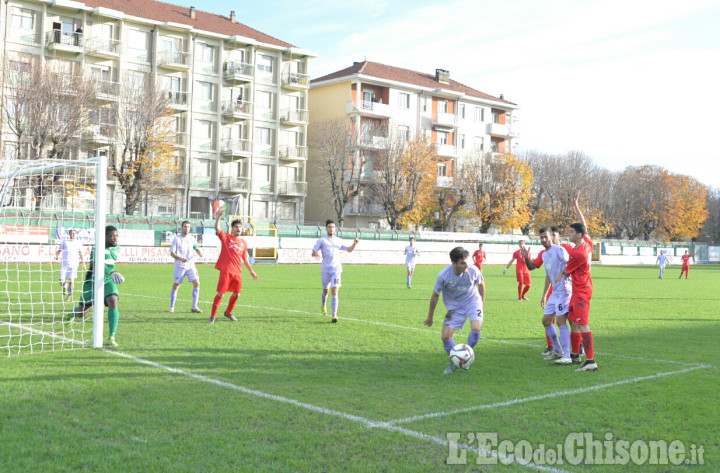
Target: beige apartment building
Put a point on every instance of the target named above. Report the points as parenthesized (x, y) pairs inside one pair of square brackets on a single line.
[(239, 97), (382, 101)]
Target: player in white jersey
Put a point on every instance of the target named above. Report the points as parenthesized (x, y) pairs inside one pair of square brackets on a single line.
[(661, 260), (463, 290), (411, 252), (71, 251), (183, 250), (329, 247)]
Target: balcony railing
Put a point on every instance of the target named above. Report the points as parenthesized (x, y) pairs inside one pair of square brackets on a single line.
[(234, 184), (237, 108), (262, 186), (180, 140), (177, 98), (103, 47), (374, 210), (105, 89), (174, 59), (236, 147), (500, 129), (292, 188), (444, 181), (295, 80), (369, 108), (445, 150), (58, 40), (444, 119), (238, 71), (293, 152), (294, 116)]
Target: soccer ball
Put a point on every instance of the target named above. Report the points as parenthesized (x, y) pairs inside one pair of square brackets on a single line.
[(462, 356)]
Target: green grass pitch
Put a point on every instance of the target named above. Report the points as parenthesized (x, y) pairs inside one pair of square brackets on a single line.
[(284, 390)]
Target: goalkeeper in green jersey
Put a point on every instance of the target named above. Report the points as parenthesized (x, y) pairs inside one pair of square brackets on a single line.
[(112, 279)]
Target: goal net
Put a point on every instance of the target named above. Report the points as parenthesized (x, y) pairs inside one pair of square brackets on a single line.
[(48, 223)]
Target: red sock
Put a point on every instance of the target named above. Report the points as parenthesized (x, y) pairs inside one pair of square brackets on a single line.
[(520, 286), (231, 304), (527, 288), (550, 343), (575, 342), (587, 340), (216, 304)]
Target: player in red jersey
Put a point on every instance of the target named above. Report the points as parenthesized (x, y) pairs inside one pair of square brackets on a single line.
[(685, 264), (233, 253), (578, 267), (479, 257), (521, 271)]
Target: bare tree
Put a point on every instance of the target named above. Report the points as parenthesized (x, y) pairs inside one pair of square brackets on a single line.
[(341, 161), (142, 157), (46, 107)]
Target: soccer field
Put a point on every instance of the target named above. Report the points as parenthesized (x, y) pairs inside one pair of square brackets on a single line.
[(284, 390)]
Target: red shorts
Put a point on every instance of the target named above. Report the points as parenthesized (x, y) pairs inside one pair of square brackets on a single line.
[(228, 282), (523, 278), (579, 310)]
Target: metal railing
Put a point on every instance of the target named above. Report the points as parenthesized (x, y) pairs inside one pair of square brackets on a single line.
[(111, 46), (174, 57), (295, 79), (293, 151), (294, 115), (236, 146), (233, 68), (65, 39), (234, 184)]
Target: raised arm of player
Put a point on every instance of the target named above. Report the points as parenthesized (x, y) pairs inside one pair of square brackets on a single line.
[(578, 213), (352, 247), (219, 217)]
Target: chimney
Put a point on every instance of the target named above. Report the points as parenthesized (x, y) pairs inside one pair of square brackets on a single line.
[(442, 76), (192, 13), (232, 16), (502, 97)]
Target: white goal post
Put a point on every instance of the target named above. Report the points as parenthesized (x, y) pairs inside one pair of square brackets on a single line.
[(40, 202)]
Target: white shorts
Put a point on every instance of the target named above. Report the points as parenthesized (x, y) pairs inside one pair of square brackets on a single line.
[(456, 320), (180, 274), (331, 279), (410, 266), (557, 304), (68, 272)]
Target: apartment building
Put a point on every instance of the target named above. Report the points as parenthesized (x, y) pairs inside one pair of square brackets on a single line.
[(382, 101), (238, 96)]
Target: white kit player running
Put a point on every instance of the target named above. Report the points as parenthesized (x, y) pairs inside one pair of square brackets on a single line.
[(661, 260), (330, 246), (411, 252), (71, 250), (183, 250), (458, 283)]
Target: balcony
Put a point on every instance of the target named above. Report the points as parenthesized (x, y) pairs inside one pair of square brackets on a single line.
[(292, 188), (98, 136), (233, 110), (365, 209), (236, 72), (295, 81), (234, 184), (444, 120), (174, 60), (103, 48), (446, 150), (265, 113), (59, 41), (499, 129), (236, 148), (444, 182), (294, 116), (369, 109), (177, 100), (106, 91), (180, 139), (374, 140), (262, 187), (293, 152)]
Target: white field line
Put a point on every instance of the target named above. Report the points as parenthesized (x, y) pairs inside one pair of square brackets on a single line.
[(435, 332), (544, 396)]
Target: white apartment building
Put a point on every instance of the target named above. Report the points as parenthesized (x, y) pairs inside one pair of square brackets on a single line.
[(239, 97), (382, 101)]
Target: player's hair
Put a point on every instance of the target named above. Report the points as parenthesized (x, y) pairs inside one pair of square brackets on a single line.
[(412, 238), (521, 241), (329, 221), (184, 222), (72, 230), (542, 230), (235, 222), (479, 244), (109, 229), (458, 253), (579, 228), (554, 229)]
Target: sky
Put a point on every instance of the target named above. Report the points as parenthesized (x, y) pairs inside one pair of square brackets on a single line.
[(627, 82)]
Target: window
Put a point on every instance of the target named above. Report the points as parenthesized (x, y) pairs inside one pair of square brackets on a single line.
[(104, 31), (138, 40), (442, 106), (497, 115), (442, 137), (206, 52), (404, 132), (442, 170), (494, 146), (403, 100), (205, 129), (478, 114), (261, 209), (287, 210), (262, 172), (479, 143), (263, 136), (424, 104), (201, 173), (462, 110), (19, 66), (205, 91), (265, 63), (100, 73), (264, 99), (462, 141), (22, 18), (136, 80)]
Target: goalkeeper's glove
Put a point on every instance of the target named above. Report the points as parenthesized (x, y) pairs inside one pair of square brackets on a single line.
[(117, 277)]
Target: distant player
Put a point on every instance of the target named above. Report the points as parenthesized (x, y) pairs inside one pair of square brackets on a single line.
[(233, 253), (578, 267), (112, 279), (71, 251), (521, 271), (183, 250), (685, 264), (329, 247), (411, 252), (479, 257), (661, 260), (463, 290)]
